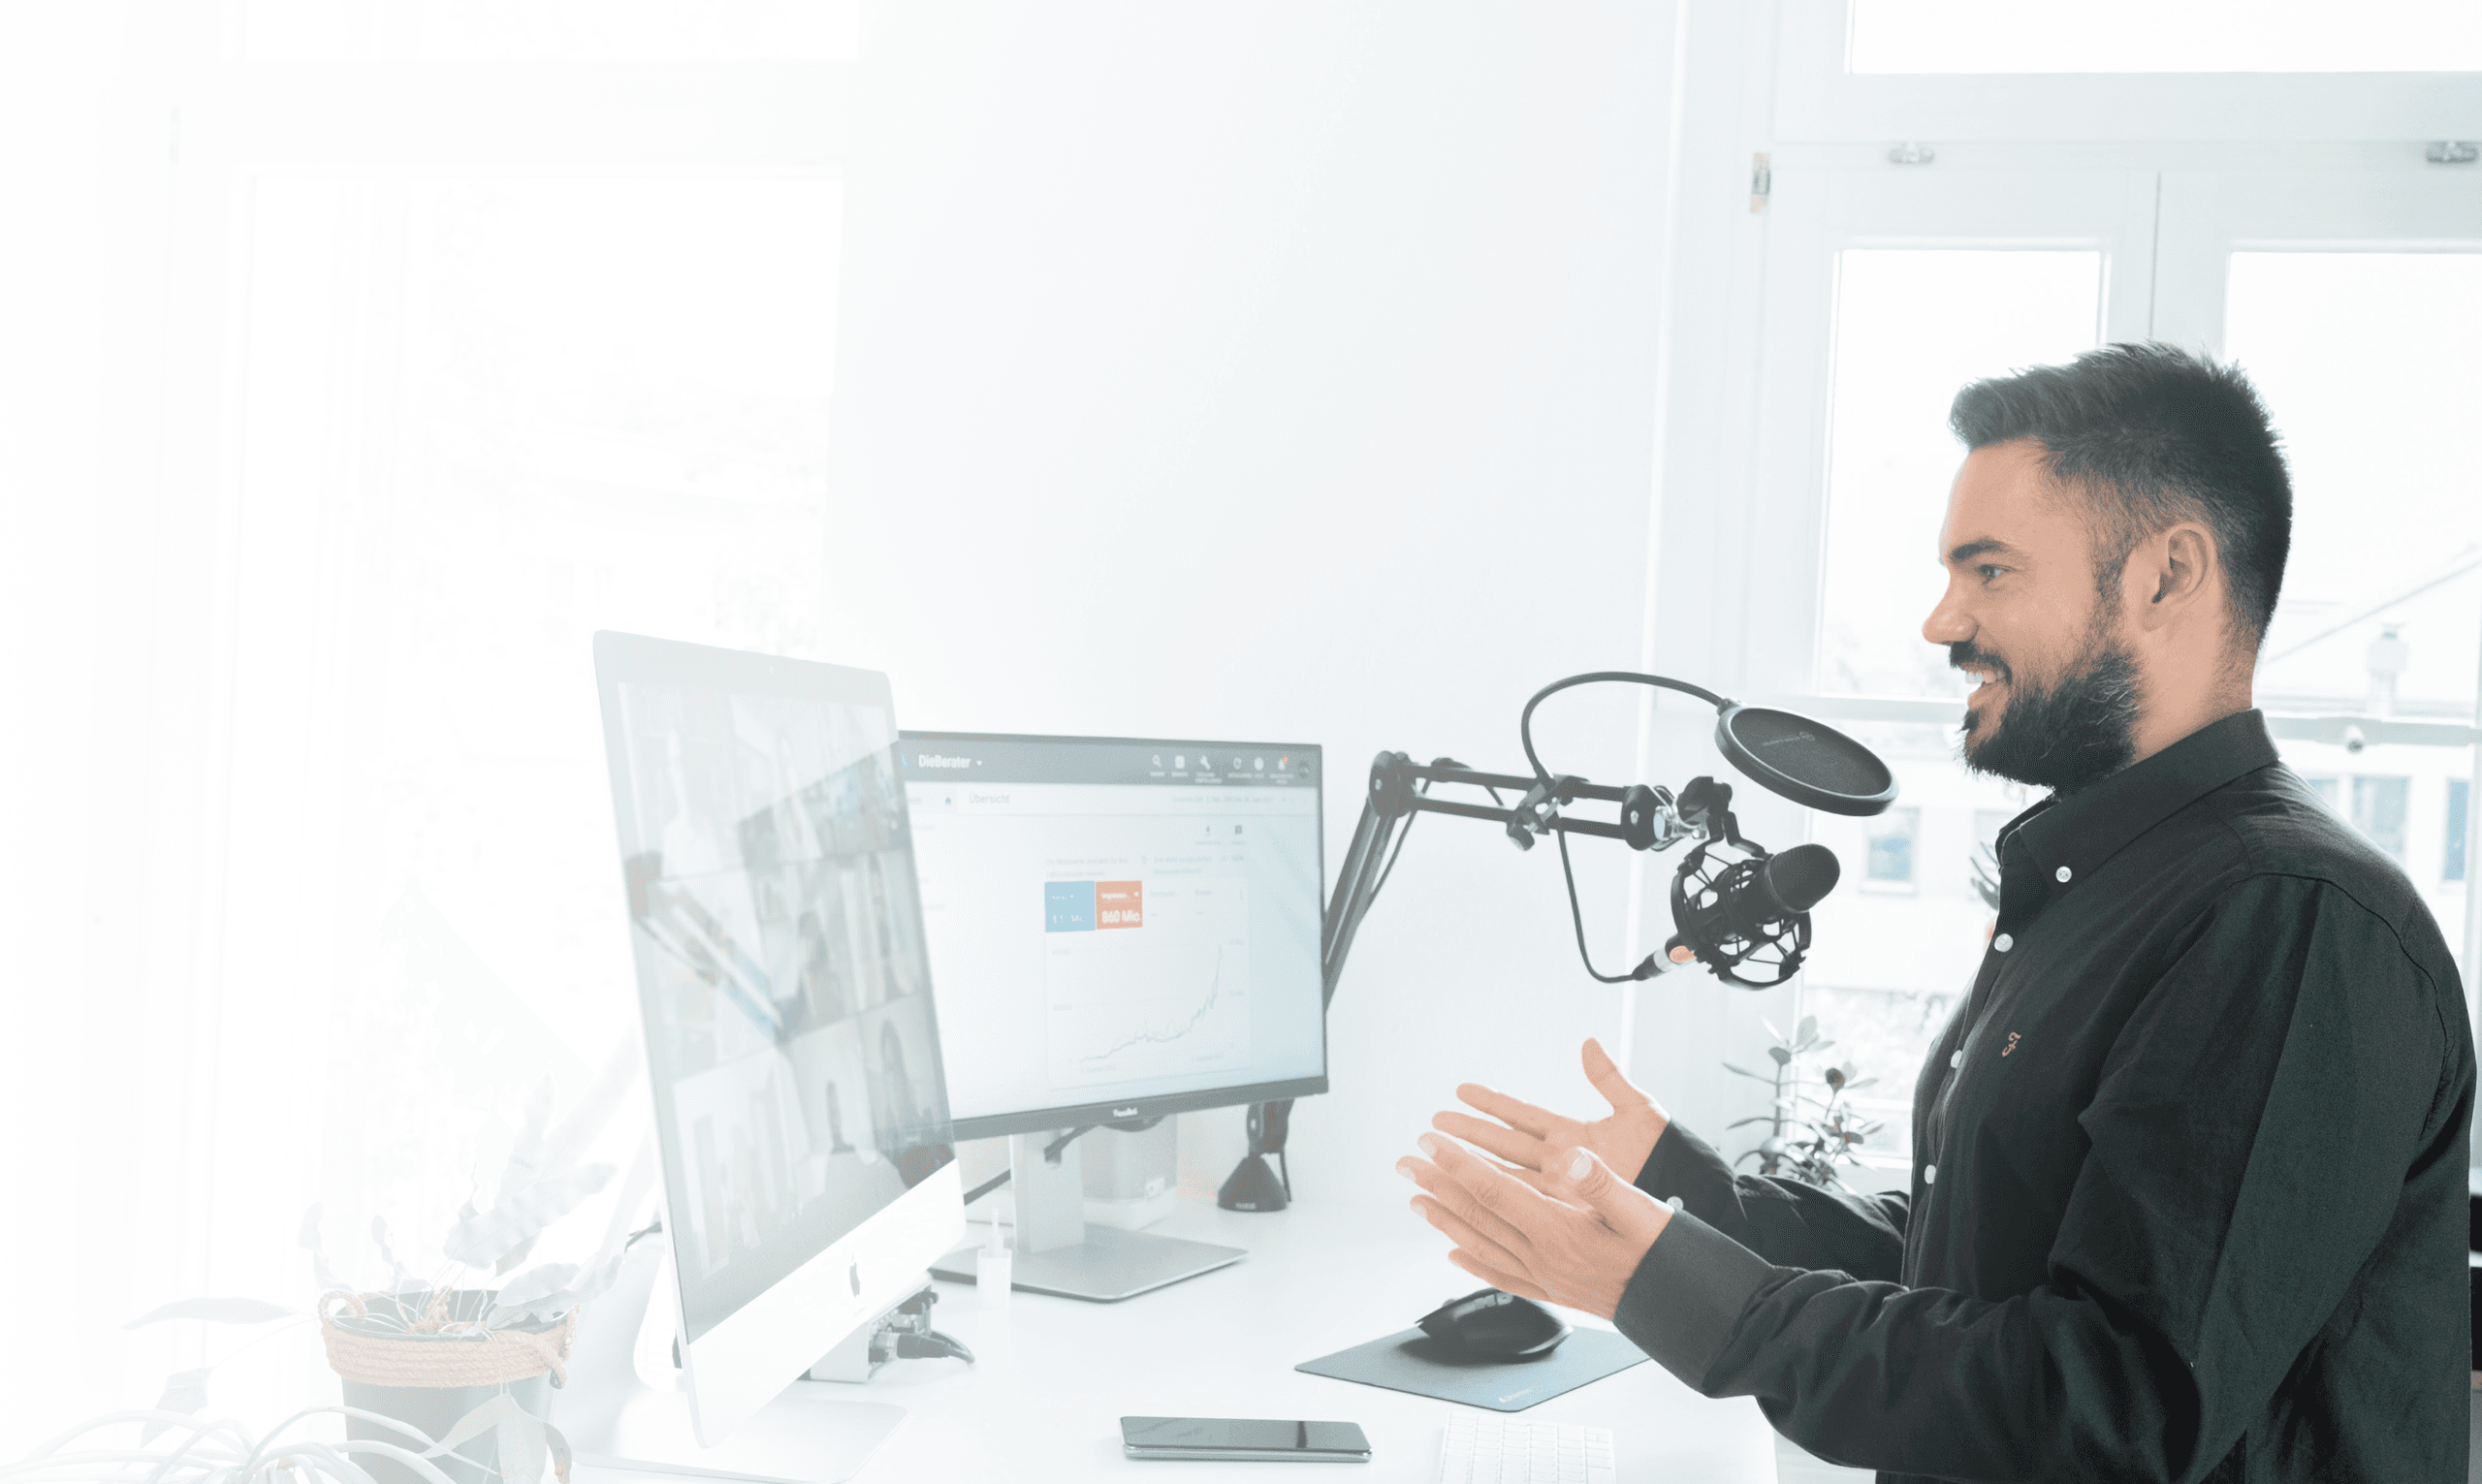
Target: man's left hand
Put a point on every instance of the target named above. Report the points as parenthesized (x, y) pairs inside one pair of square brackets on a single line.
[(1574, 1243)]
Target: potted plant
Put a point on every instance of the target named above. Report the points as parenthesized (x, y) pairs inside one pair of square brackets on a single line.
[(464, 1357), (1808, 1136)]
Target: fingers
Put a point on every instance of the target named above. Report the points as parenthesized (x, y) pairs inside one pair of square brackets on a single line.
[(1501, 1194), (1608, 1078), (1457, 1199), (1584, 1178), (1506, 1283), (1522, 1149), (1514, 1111), (1584, 1181), (1465, 1235)]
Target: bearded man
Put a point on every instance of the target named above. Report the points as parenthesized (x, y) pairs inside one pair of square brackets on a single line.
[(2188, 1199)]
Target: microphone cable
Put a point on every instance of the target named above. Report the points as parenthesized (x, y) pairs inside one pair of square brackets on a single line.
[(1525, 735)]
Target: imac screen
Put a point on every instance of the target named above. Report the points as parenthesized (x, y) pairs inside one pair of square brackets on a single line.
[(791, 1039), (1118, 922)]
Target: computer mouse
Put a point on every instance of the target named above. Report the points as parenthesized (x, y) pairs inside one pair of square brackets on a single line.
[(1490, 1322)]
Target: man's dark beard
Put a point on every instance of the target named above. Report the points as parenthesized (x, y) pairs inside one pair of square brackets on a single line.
[(2063, 737)]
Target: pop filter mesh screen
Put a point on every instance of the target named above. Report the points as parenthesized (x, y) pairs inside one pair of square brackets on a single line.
[(1803, 750)]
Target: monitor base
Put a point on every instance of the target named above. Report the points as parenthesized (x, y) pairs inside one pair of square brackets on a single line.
[(1110, 1265), (613, 1419)]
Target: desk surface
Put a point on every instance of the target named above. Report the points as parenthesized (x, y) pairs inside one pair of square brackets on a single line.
[(1054, 1376)]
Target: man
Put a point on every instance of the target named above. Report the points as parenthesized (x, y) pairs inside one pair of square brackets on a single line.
[(2188, 1199)]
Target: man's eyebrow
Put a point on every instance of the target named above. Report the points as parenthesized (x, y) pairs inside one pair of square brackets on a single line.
[(1973, 549)]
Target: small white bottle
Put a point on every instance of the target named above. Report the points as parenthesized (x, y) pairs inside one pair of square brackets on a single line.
[(994, 1268)]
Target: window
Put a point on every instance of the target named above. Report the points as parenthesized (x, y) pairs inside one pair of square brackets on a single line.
[(2159, 186), (414, 427), (1912, 325), (1890, 861), (551, 30), (2326, 789), (2378, 812), (2357, 356), (2142, 36), (2458, 794)]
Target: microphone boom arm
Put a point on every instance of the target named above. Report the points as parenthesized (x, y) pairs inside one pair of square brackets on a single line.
[(1731, 912)]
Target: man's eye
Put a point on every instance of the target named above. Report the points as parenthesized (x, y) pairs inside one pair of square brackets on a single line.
[(1989, 571)]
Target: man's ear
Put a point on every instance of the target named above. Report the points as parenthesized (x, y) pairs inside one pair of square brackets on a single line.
[(2171, 572)]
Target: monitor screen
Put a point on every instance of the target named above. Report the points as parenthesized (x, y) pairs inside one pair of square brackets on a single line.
[(1118, 927), (790, 1040)]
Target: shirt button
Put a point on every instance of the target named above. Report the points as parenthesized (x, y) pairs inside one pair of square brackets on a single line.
[(1956, 1058), (2003, 943), (2064, 873), (1931, 1174)]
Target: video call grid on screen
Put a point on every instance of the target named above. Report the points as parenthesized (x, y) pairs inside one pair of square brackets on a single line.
[(792, 1045), (1118, 927)]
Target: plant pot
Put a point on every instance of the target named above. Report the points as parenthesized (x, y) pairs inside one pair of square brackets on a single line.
[(422, 1359)]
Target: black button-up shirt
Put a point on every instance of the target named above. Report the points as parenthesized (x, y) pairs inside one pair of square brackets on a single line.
[(2188, 1198)]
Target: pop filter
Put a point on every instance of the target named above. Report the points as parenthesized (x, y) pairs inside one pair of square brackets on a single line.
[(1808, 761)]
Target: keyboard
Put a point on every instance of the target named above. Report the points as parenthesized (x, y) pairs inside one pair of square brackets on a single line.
[(1488, 1448)]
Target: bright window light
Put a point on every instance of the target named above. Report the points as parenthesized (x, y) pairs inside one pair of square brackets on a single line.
[(2107, 36), (1911, 326), (2371, 366), (474, 433), (551, 30)]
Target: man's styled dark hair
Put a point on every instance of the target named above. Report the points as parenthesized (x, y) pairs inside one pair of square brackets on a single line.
[(2149, 436)]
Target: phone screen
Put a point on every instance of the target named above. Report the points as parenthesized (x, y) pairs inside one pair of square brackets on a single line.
[(1253, 1435)]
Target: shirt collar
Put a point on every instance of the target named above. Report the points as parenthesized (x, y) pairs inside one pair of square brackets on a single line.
[(2061, 842)]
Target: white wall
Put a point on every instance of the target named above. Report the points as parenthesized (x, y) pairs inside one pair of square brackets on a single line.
[(1282, 373)]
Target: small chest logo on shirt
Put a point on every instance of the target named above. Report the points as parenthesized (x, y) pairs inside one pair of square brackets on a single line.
[(2010, 1046)]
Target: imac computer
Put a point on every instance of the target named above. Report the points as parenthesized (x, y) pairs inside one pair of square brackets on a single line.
[(801, 1118), (1121, 929)]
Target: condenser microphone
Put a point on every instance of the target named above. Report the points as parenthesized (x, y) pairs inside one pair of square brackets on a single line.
[(1747, 919)]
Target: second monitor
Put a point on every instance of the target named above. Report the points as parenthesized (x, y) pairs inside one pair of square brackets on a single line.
[(1119, 928)]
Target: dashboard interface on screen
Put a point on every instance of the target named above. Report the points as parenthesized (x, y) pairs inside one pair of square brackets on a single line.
[(791, 1037), (1115, 922)]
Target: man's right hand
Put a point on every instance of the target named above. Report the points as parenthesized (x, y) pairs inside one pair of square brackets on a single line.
[(1525, 1135)]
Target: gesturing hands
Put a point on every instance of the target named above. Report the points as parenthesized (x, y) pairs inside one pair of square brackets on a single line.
[(1556, 1223), (1574, 1242), (1525, 1134)]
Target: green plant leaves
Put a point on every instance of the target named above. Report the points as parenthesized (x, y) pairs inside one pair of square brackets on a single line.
[(523, 1440), (481, 1240), (184, 1392)]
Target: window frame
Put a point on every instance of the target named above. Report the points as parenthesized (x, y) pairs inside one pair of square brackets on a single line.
[(1819, 98), (1768, 115)]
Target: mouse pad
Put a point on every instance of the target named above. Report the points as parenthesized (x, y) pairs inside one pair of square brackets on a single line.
[(1415, 1362)]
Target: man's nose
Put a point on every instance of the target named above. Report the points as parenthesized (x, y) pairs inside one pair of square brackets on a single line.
[(1948, 623)]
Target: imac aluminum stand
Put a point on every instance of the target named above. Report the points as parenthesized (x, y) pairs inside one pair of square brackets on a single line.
[(1058, 1254), (623, 1406)]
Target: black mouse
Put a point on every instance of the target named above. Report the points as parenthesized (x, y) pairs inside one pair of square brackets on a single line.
[(1489, 1322)]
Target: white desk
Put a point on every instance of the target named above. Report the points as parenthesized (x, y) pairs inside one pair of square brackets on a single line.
[(1054, 1376)]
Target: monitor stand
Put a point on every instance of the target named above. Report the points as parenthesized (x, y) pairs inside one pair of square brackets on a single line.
[(622, 1405), (1057, 1252)]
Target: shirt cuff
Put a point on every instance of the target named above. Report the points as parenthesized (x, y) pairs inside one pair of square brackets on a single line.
[(1683, 1165), (1658, 1176), (1687, 1296)]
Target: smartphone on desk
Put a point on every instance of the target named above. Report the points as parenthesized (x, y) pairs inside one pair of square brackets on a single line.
[(1244, 1437)]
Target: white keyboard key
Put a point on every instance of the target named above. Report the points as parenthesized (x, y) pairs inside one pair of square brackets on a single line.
[(1490, 1448)]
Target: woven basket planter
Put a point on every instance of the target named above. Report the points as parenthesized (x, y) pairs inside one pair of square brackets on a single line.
[(423, 1359)]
